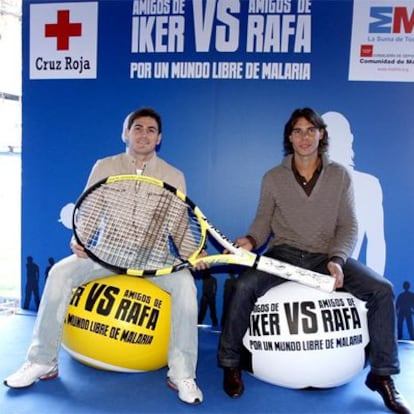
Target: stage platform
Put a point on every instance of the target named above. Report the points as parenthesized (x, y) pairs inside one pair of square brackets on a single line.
[(85, 390)]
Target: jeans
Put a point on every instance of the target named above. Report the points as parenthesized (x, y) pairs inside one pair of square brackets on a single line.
[(359, 280), (73, 271)]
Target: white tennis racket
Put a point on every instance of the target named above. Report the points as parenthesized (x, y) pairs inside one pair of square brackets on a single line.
[(142, 226)]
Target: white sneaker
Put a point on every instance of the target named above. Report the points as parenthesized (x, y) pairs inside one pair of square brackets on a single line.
[(29, 373), (187, 390)]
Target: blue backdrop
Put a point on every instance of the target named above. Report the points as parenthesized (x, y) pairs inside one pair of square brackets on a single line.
[(223, 133)]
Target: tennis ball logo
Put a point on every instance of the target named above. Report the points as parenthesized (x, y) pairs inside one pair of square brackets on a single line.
[(300, 337), (120, 323)]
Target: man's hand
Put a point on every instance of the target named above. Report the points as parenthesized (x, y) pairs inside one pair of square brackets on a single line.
[(202, 265), (336, 271), (77, 249), (245, 243)]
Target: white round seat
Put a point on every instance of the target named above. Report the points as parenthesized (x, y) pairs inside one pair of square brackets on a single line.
[(300, 337)]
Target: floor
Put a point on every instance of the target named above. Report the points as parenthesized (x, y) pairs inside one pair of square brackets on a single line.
[(85, 390)]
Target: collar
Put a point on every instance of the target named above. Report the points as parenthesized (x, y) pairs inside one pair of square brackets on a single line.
[(132, 160), (288, 161)]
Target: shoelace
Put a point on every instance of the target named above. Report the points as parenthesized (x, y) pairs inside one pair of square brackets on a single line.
[(189, 384), (392, 387), (26, 366)]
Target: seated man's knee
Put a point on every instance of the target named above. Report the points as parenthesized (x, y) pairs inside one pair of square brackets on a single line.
[(385, 289)]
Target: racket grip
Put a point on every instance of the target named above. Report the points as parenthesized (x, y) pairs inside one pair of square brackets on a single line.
[(325, 283)]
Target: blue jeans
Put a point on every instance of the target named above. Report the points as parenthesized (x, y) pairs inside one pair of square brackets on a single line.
[(359, 280)]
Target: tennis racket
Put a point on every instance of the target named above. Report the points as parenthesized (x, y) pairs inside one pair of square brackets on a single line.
[(141, 226)]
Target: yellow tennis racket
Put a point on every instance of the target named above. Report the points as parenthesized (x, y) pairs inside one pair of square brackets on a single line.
[(142, 226)]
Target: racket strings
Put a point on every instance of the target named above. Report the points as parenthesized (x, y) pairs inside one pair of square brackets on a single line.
[(137, 225)]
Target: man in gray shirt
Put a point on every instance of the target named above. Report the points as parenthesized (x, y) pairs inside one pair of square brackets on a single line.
[(306, 211)]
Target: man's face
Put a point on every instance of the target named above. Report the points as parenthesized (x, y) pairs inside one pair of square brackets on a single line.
[(143, 136), (305, 138)]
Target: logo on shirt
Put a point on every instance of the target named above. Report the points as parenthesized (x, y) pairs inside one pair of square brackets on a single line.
[(63, 40)]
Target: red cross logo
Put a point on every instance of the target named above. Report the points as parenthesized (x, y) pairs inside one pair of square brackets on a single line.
[(63, 30)]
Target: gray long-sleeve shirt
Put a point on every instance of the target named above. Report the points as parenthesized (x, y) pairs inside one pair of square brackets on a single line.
[(324, 222)]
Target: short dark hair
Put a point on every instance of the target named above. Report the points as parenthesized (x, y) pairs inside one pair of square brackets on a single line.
[(139, 113), (315, 119)]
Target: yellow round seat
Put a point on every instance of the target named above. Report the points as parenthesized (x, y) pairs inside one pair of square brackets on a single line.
[(120, 323)]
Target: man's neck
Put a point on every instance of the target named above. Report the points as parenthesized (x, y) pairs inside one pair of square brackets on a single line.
[(306, 166), (142, 160)]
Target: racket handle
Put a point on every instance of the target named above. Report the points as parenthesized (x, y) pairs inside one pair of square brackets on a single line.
[(325, 283)]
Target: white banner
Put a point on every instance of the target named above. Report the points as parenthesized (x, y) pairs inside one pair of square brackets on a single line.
[(382, 46), (63, 40)]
